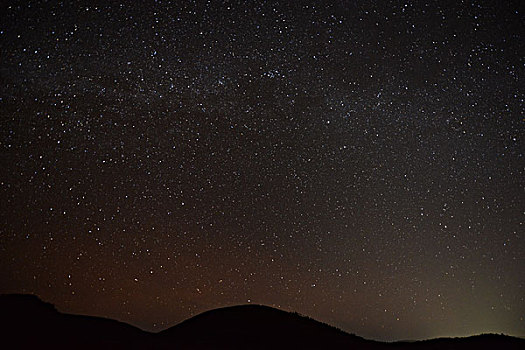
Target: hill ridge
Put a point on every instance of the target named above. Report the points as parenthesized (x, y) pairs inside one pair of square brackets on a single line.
[(27, 322)]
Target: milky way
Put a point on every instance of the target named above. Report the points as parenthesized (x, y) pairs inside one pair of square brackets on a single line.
[(361, 164)]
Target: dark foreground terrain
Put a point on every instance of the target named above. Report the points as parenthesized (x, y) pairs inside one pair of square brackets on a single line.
[(28, 322)]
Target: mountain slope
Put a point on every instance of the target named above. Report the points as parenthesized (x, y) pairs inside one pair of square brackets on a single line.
[(260, 327), (28, 322)]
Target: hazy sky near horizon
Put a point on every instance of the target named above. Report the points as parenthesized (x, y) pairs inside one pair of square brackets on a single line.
[(359, 162)]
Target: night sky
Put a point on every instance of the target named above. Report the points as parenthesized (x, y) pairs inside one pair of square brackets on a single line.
[(360, 163)]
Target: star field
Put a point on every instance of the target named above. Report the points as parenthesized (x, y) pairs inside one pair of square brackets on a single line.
[(357, 162)]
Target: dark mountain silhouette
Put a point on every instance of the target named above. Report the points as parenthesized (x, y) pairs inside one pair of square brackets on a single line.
[(260, 327), (26, 322)]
